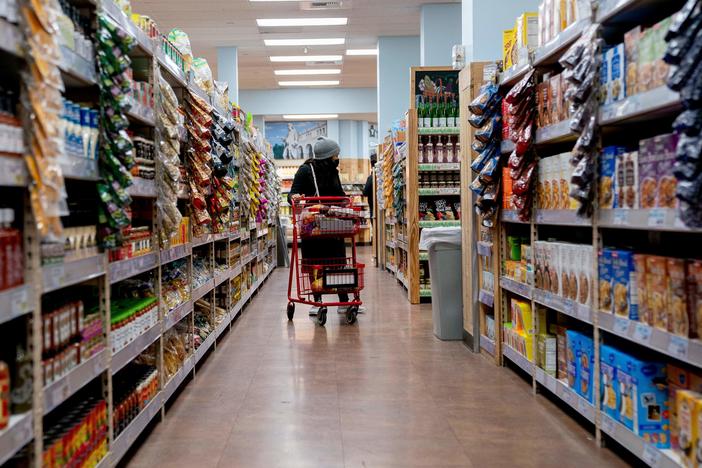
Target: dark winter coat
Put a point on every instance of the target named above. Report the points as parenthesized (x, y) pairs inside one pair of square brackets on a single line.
[(329, 186)]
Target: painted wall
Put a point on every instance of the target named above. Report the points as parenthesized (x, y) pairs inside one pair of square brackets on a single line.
[(395, 57), (484, 21), (440, 30), (309, 101)]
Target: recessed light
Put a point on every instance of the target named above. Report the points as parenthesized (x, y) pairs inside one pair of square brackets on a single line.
[(362, 52), (309, 71), (305, 42), (302, 22), (309, 83), (311, 116), (306, 58)]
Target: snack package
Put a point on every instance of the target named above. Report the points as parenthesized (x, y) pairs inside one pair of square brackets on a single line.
[(641, 285), (687, 430), (694, 296), (626, 182), (203, 74), (607, 164), (678, 313), (616, 87), (624, 288), (657, 281), (609, 386), (605, 274)]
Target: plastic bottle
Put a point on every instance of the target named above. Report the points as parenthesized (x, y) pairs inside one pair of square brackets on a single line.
[(94, 134)]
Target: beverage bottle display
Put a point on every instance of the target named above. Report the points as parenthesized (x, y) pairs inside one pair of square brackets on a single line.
[(426, 117), (22, 386), (420, 112), (420, 154), (439, 150), (429, 151), (442, 113)]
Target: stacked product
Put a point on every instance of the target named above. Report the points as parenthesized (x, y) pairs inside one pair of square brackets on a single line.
[(199, 161), (582, 63), (518, 332), (42, 89), (168, 122), (520, 41), (663, 292), (519, 265), (520, 116), (75, 32), (486, 120), (144, 156), (80, 125), (203, 323), (385, 164), (250, 183), (557, 15), (202, 268), (133, 387), (116, 156), (130, 318), (175, 284), (176, 348), (550, 101), (398, 189), (76, 437), (564, 269), (554, 183), (684, 52), (223, 184)]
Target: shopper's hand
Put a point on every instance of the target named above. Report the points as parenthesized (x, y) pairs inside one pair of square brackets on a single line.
[(296, 197)]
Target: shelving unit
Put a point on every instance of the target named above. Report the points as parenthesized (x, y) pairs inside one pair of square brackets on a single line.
[(648, 113), (22, 307)]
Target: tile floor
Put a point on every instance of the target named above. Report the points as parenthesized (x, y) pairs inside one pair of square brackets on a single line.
[(382, 393)]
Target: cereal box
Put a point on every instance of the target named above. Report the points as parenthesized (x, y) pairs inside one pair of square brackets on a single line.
[(667, 183), (626, 190), (687, 430), (527, 30), (572, 347), (609, 387), (561, 351), (694, 296), (556, 99), (648, 173), (604, 270), (678, 379), (660, 69), (631, 54), (607, 165), (585, 274), (616, 88), (624, 284), (604, 77), (546, 353), (656, 287), (543, 102), (508, 39), (645, 60), (565, 109), (565, 172), (678, 314), (539, 265), (553, 266), (585, 367), (641, 294)]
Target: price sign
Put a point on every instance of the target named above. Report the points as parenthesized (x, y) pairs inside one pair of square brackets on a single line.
[(487, 298), (608, 424), (651, 455), (656, 217), (23, 433), (551, 384), (18, 301), (584, 313), (621, 217), (60, 394), (55, 277), (642, 333), (568, 396), (583, 406), (621, 325), (678, 347), (568, 307)]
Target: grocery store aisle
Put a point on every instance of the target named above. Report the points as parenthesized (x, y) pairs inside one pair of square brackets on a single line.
[(381, 393)]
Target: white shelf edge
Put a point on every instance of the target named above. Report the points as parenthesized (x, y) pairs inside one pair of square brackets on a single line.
[(565, 394), (125, 269), (18, 433), (126, 438), (59, 391), (176, 315), (521, 361), (127, 354), (582, 312), (14, 303)]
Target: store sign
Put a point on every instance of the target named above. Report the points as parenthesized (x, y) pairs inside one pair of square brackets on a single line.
[(294, 140)]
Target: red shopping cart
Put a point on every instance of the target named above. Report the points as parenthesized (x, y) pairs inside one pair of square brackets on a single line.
[(325, 218)]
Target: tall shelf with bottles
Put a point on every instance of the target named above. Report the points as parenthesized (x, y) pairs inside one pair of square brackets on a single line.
[(91, 325), (581, 301)]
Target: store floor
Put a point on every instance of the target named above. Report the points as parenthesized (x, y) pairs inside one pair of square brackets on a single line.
[(382, 393)]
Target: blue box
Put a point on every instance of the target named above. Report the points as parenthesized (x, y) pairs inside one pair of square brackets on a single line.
[(585, 368), (572, 346), (624, 290), (609, 386), (604, 272)]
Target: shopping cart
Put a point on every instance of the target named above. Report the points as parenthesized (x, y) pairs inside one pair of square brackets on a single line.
[(315, 218)]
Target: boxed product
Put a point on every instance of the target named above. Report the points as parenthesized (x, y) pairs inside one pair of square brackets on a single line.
[(641, 289), (585, 367), (660, 69), (624, 284), (556, 99), (665, 147), (688, 411), (508, 45), (644, 399), (631, 59), (526, 31), (552, 267), (543, 104), (583, 265), (694, 296), (677, 379), (572, 346), (626, 182), (507, 189), (561, 351), (605, 273), (539, 265), (604, 76), (522, 316), (546, 353), (616, 87), (607, 165), (569, 203), (609, 387), (678, 313), (656, 287), (570, 254)]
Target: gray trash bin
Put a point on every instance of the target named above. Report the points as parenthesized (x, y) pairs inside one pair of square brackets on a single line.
[(444, 246)]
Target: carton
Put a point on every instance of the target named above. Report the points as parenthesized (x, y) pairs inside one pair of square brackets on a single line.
[(694, 296), (546, 355), (616, 87), (631, 54), (609, 386), (552, 267), (527, 30), (604, 271), (678, 313), (667, 183), (641, 294), (539, 265), (688, 415), (604, 76), (624, 288), (543, 104), (584, 267), (508, 39), (585, 367), (660, 69), (645, 59), (644, 399), (627, 187), (564, 173), (561, 351), (607, 164), (572, 347), (556, 99), (656, 289), (678, 379)]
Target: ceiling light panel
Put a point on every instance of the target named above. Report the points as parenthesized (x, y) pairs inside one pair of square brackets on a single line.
[(308, 71), (362, 52), (282, 22), (310, 83), (306, 58), (305, 42), (311, 116)]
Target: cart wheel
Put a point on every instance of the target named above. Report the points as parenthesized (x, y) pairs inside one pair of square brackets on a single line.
[(351, 315), (291, 310), (322, 316)]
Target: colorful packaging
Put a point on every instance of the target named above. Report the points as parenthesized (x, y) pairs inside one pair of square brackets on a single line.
[(553, 267), (678, 313), (641, 284), (543, 104), (546, 353), (624, 284), (688, 414), (631, 54), (609, 386), (660, 69), (616, 87), (656, 287), (572, 346), (626, 184), (561, 351), (694, 296), (678, 379), (585, 367), (556, 99), (508, 44), (607, 164), (584, 267), (605, 274), (667, 183)]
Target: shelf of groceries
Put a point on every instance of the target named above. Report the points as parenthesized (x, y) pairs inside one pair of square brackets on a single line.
[(621, 280)]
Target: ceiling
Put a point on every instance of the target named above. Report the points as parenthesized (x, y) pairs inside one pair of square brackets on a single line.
[(215, 23)]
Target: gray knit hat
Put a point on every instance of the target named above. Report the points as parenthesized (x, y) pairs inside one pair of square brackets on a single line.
[(325, 148)]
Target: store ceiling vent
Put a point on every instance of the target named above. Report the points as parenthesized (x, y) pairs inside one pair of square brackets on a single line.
[(325, 5), (329, 62), (281, 30)]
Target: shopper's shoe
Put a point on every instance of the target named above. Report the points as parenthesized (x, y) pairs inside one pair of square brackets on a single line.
[(345, 309), (314, 311)]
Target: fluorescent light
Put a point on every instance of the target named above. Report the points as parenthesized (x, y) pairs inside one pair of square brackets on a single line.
[(308, 71), (306, 58), (309, 83), (362, 52), (311, 116), (275, 0), (305, 42), (302, 22)]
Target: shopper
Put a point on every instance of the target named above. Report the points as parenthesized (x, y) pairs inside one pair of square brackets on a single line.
[(368, 189), (319, 176)]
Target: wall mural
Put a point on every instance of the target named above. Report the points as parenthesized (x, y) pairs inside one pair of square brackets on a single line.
[(294, 140)]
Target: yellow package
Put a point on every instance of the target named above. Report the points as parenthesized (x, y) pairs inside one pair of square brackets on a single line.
[(526, 30), (508, 38), (689, 405)]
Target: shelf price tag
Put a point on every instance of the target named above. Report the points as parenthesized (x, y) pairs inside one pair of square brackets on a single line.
[(678, 347), (621, 325), (657, 217), (584, 313), (568, 396), (608, 424), (23, 432), (583, 406), (642, 333), (56, 277), (651, 455), (568, 307), (18, 301), (621, 217)]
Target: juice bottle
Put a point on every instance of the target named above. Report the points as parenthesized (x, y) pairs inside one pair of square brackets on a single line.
[(4, 395)]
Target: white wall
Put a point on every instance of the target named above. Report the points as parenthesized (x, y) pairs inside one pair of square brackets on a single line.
[(309, 101), (440, 30)]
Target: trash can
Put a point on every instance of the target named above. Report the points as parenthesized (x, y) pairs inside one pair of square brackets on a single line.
[(444, 246)]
